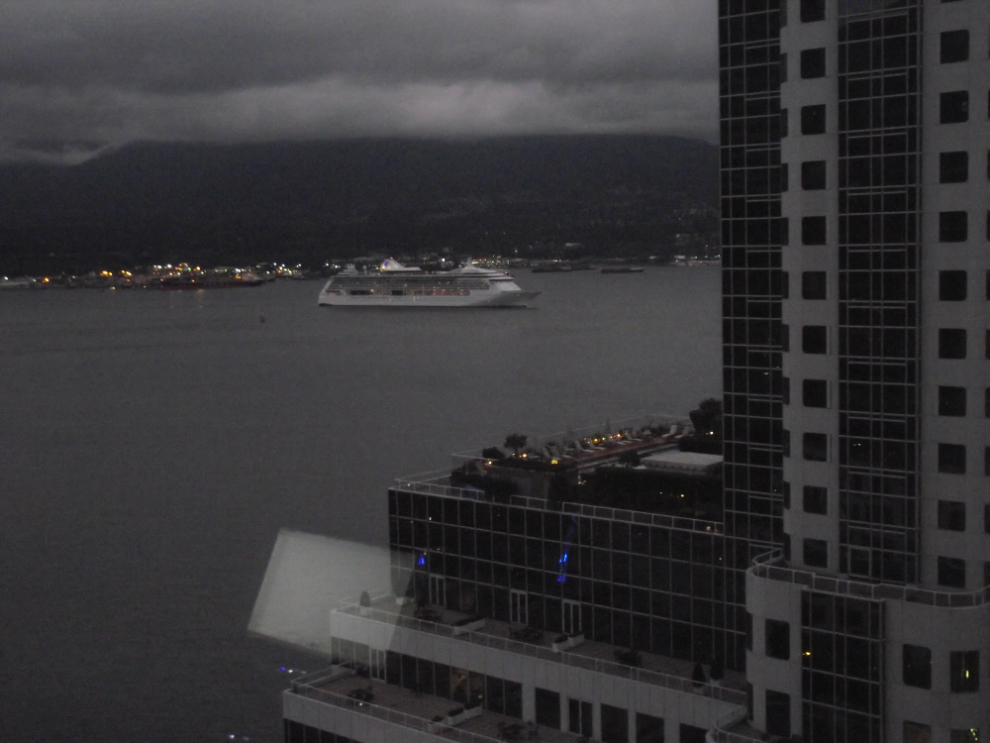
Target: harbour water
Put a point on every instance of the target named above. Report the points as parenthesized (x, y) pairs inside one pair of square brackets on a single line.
[(152, 444)]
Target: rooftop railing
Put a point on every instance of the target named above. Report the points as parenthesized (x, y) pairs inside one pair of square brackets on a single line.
[(427, 484), (309, 687), (764, 567), (572, 660), (722, 732)]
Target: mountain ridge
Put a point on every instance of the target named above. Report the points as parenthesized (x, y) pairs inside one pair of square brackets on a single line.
[(309, 201)]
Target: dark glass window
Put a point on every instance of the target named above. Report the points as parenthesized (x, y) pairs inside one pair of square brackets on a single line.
[(954, 107), (812, 63), (952, 459), (815, 499), (953, 167), (952, 286), (917, 666), (778, 639), (952, 515), (783, 68), (955, 46), (815, 393), (952, 401), (813, 284), (814, 339), (816, 553), (813, 175), (649, 729), (952, 573), (783, 122), (952, 343), (778, 714), (548, 708), (813, 119), (816, 447), (964, 670), (813, 231), (952, 227), (812, 10), (615, 724)]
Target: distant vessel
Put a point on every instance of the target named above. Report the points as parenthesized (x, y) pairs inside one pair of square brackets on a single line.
[(395, 285), (622, 269)]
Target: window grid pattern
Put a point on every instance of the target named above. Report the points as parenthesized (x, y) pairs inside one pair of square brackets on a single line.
[(842, 668), (658, 589), (879, 243), (752, 235)]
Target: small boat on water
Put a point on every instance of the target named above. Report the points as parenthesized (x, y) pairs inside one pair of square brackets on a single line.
[(392, 284)]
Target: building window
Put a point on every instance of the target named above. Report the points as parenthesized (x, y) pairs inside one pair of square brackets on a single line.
[(954, 107), (579, 717), (952, 227), (952, 459), (813, 175), (778, 639), (915, 732), (649, 729), (986, 519), (986, 461), (952, 286), (951, 572), (813, 119), (783, 68), (816, 447), (964, 670), (952, 343), (917, 666), (815, 393), (816, 553), (952, 401), (955, 46), (812, 63), (812, 10), (548, 708), (952, 515), (813, 285), (783, 122), (953, 167), (778, 713), (615, 724), (814, 339), (518, 607), (813, 230), (966, 735), (815, 499)]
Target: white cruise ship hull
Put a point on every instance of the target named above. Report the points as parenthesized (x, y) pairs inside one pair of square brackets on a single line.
[(468, 287)]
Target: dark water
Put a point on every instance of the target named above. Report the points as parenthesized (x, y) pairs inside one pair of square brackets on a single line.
[(152, 444)]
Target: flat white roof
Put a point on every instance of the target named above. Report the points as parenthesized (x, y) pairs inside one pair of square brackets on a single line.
[(687, 461)]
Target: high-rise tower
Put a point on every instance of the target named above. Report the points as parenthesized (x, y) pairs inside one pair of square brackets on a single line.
[(870, 621)]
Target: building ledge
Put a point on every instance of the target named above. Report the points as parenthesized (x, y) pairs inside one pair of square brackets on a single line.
[(341, 687), (768, 567), (598, 657)]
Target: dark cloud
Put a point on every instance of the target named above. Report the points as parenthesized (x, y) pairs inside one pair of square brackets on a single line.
[(111, 71)]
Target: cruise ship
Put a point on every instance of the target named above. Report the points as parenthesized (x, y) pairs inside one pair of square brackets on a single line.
[(392, 284)]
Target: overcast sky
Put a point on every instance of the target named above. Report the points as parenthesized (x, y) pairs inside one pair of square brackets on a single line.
[(79, 73)]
